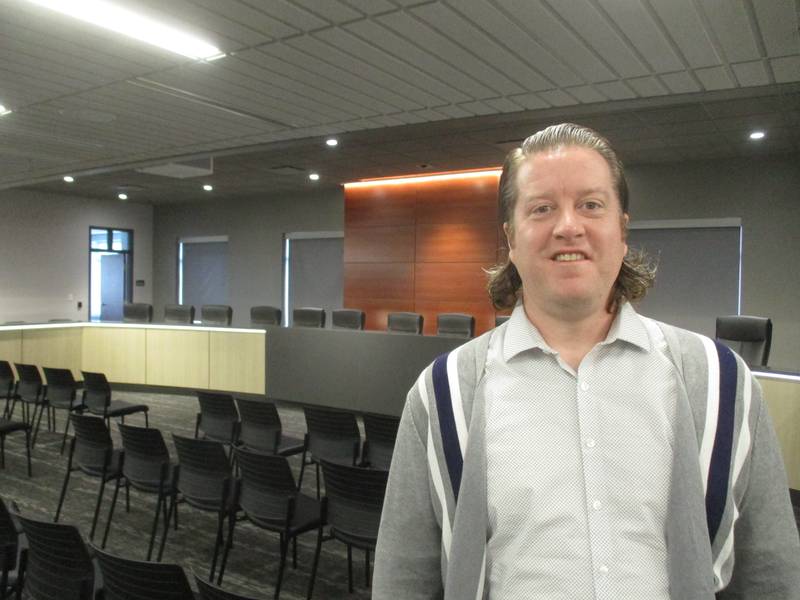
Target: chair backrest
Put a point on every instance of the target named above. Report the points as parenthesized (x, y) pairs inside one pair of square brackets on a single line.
[(380, 433), (265, 315), (750, 337), (218, 417), (216, 315), (9, 540), (96, 391), (204, 470), (209, 591), (308, 316), (405, 322), (6, 379), (455, 324), (332, 434), (179, 314), (355, 501), (137, 312), (266, 485), (61, 387), (126, 579), (261, 427), (93, 444), (59, 565), (348, 318), (29, 382), (500, 319), (146, 454)]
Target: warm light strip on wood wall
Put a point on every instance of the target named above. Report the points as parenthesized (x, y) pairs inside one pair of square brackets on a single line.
[(424, 178)]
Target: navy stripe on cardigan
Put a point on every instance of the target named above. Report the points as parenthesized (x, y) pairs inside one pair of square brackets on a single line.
[(447, 424)]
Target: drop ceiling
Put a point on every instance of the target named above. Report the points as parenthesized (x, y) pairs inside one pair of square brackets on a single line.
[(406, 87)]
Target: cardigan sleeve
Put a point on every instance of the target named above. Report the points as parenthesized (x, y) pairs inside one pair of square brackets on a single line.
[(408, 553)]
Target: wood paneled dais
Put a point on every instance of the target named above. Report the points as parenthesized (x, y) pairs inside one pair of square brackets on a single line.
[(457, 242), (379, 244)]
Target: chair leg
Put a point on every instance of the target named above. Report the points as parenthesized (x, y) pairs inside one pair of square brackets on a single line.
[(228, 546), (217, 545), (146, 421), (41, 409), (28, 450), (111, 511), (314, 564), (173, 502), (302, 470), (63, 492), (97, 506), (349, 568), (64, 439), (161, 500), (282, 564)]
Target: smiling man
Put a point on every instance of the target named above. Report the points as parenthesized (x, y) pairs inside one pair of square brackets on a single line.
[(581, 450)]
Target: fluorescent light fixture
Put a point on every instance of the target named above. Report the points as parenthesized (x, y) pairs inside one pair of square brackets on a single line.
[(69, 178), (332, 142), (126, 22), (208, 187), (757, 135), (122, 196), (313, 176), (4, 111)]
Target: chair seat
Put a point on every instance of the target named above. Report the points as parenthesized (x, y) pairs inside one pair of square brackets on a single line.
[(152, 485), (119, 408), (8, 426), (306, 517), (112, 472)]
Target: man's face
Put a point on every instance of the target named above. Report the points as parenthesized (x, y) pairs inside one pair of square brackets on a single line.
[(567, 239)]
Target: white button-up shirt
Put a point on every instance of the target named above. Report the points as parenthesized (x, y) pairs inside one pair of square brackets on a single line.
[(578, 465)]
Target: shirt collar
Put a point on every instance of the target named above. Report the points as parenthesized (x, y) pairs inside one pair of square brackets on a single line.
[(521, 334)]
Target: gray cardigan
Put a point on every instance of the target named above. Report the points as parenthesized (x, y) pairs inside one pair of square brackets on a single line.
[(432, 546)]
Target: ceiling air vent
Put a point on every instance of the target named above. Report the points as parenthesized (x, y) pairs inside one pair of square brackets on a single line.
[(201, 167)]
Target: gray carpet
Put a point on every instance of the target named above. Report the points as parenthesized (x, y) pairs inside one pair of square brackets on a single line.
[(252, 566)]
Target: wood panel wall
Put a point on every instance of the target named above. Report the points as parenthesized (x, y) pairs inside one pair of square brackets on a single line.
[(422, 247)]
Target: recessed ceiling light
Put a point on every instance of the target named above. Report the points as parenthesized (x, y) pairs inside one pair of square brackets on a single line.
[(4, 111), (313, 176), (332, 142), (122, 196), (757, 135), (69, 178), (118, 19), (208, 187)]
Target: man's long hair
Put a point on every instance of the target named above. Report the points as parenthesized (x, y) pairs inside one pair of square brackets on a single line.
[(637, 272)]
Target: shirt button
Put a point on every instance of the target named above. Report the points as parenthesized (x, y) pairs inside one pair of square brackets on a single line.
[(602, 569), (597, 505), (584, 386), (590, 443)]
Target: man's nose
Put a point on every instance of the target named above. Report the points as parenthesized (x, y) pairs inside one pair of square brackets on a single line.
[(568, 224)]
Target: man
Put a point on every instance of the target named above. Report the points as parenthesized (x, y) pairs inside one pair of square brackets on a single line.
[(580, 450)]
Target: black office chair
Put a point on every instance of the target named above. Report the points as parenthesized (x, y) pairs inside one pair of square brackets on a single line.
[(30, 391), (405, 322), (308, 317), (455, 325), (97, 399), (179, 314), (6, 385), (127, 579), (500, 319), (92, 452), (352, 509), (261, 316), (137, 312), (268, 497), (62, 393), (147, 468), (57, 564), (332, 435), (216, 315), (9, 549), (218, 419), (380, 433), (261, 429), (749, 337), (209, 591), (348, 318)]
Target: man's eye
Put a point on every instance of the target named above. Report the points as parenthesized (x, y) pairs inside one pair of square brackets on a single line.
[(540, 210), (592, 205)]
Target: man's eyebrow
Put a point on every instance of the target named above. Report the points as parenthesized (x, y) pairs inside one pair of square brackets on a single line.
[(594, 190)]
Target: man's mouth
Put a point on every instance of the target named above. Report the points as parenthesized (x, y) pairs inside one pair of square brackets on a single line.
[(569, 257)]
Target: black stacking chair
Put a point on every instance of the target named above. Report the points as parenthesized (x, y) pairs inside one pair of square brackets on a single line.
[(216, 315), (308, 317), (268, 497), (455, 325), (9, 549), (97, 399), (380, 432), (209, 591), (332, 435), (405, 322), (179, 314), (261, 429), (6, 386), (261, 316), (9, 426), (57, 564), (127, 579), (147, 468), (352, 508), (750, 337), (348, 318), (137, 312), (30, 391), (500, 319), (217, 419), (202, 480), (62, 393), (92, 452)]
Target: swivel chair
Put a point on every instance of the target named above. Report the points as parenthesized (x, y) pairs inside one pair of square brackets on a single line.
[(405, 322), (137, 312), (216, 315), (749, 337), (265, 315), (348, 318), (455, 324)]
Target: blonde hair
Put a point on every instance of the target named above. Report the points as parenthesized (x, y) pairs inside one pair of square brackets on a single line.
[(637, 272)]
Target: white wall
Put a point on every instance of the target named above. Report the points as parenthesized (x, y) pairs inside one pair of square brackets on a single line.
[(44, 252)]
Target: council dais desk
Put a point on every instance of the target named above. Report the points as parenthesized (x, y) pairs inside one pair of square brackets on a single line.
[(216, 358)]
